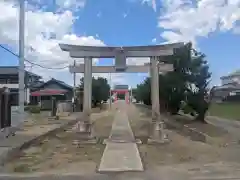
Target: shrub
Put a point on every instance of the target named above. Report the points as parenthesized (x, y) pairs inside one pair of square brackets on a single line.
[(34, 109), (187, 109), (26, 108)]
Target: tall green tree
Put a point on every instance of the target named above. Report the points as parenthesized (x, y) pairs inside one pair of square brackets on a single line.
[(188, 83), (100, 89), (198, 92), (173, 85)]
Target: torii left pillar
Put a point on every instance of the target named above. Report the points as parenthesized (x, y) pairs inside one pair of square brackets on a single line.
[(84, 125), (157, 134), (87, 100)]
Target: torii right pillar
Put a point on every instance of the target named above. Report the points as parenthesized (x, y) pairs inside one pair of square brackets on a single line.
[(157, 134)]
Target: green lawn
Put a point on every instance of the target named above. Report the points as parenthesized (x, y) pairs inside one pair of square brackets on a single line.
[(226, 110)]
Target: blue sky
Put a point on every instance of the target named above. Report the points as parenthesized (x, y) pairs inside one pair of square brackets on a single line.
[(213, 29)]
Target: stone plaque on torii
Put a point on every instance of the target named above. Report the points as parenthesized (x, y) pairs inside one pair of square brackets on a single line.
[(156, 53)]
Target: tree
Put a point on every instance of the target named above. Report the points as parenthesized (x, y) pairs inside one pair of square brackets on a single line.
[(100, 89), (198, 92), (187, 83), (173, 85), (143, 92)]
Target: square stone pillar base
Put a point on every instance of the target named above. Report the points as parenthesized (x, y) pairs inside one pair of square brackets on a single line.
[(157, 133), (85, 127)]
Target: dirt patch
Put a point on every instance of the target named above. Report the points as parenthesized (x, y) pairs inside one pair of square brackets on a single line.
[(65, 151), (197, 131), (57, 152), (140, 123), (183, 150), (102, 126), (209, 133), (209, 129)]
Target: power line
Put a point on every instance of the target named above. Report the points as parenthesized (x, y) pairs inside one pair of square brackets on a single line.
[(35, 64)]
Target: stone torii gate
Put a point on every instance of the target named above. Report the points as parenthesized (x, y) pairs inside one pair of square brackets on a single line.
[(156, 53)]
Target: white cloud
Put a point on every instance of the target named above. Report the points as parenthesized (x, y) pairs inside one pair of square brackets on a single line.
[(154, 40), (57, 5), (138, 61), (44, 30), (71, 4), (151, 3), (184, 20)]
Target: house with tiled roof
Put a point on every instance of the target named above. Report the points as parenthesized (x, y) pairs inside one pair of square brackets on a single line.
[(230, 86), (9, 79), (45, 91), (35, 88)]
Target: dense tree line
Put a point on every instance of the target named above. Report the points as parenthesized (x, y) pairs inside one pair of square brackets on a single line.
[(185, 88), (100, 89)]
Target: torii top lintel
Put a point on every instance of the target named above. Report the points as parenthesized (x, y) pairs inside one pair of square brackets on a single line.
[(77, 51)]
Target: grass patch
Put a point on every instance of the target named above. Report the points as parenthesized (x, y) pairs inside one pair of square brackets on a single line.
[(225, 110)]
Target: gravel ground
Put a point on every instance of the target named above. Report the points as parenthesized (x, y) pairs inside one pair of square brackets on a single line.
[(65, 152), (62, 153), (57, 152), (181, 149)]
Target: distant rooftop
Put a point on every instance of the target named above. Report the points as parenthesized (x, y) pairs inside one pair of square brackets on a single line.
[(235, 73), (58, 82), (121, 87), (228, 86)]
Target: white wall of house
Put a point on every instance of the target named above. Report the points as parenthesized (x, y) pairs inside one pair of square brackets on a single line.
[(10, 86), (27, 95), (229, 80), (16, 86)]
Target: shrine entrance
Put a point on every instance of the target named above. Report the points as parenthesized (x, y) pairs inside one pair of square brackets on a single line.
[(156, 55), (117, 92)]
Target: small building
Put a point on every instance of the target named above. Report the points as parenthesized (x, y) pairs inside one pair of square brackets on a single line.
[(53, 88), (9, 79), (230, 86), (121, 92)]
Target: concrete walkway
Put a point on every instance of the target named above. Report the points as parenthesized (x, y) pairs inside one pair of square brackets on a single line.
[(121, 152), (121, 129)]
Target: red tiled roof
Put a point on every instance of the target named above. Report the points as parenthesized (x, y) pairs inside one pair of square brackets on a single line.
[(120, 90), (48, 92)]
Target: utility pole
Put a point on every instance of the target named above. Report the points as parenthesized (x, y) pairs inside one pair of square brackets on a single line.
[(21, 69)]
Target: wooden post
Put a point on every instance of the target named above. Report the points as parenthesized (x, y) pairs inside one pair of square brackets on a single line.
[(1, 108), (5, 109), (54, 107)]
